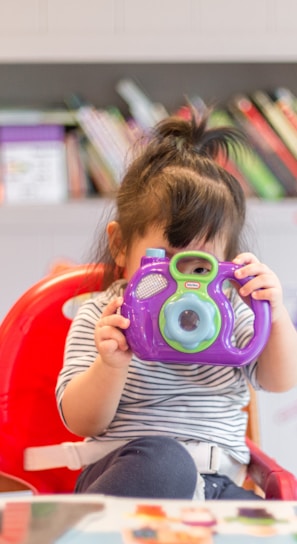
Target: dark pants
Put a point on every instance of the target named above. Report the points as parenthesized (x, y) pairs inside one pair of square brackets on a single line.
[(154, 467)]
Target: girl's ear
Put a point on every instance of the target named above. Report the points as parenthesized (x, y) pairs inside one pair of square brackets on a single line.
[(116, 246)]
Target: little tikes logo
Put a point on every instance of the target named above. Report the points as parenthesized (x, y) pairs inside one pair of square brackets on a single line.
[(192, 285)]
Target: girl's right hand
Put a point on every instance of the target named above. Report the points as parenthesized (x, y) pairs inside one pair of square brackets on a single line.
[(109, 338)]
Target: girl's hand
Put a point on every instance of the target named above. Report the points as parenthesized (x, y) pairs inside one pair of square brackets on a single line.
[(264, 285), (109, 338)]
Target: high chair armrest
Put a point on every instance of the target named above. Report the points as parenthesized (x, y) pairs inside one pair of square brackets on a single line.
[(274, 480)]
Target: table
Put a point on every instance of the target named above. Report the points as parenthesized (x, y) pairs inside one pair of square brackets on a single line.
[(90, 519)]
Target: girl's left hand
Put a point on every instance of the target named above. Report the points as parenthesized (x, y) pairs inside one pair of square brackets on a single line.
[(263, 285)]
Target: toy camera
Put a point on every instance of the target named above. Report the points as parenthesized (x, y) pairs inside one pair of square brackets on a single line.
[(183, 317)]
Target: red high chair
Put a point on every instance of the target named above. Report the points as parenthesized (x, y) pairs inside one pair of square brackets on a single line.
[(32, 337)]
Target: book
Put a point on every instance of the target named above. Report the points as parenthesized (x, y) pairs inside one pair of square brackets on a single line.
[(107, 137), (116, 135), (33, 164), (226, 162), (78, 183), (85, 117), (36, 116), (98, 173), (146, 112), (265, 141), (277, 119), (231, 167), (259, 176), (287, 103)]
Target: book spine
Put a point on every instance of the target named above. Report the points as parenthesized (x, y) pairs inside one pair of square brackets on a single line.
[(75, 167), (100, 176), (277, 120), (287, 103), (89, 121), (114, 139), (265, 142), (146, 112), (231, 167), (262, 180)]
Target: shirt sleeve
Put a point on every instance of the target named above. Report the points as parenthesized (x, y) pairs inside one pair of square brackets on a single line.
[(80, 348)]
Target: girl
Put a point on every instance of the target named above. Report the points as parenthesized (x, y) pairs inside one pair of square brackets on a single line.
[(171, 430)]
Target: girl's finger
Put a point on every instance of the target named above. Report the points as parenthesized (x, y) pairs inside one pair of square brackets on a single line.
[(245, 258), (114, 320), (113, 306), (252, 269)]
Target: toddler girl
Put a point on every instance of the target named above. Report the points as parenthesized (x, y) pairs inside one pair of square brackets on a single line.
[(159, 430)]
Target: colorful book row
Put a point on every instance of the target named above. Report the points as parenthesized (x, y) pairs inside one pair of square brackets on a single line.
[(81, 150)]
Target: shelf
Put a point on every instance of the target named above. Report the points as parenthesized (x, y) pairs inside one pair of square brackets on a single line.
[(72, 216), (38, 84)]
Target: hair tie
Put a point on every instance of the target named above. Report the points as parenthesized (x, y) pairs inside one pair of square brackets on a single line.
[(179, 142)]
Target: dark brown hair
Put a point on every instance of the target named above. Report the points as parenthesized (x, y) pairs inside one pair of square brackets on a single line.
[(176, 183)]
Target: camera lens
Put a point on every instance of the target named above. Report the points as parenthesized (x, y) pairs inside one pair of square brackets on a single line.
[(188, 320)]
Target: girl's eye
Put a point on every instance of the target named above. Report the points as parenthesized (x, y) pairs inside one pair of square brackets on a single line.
[(201, 270), (194, 266)]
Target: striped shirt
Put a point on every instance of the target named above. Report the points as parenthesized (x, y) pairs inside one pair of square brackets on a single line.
[(189, 402)]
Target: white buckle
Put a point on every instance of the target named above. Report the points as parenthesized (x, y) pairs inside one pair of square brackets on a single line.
[(215, 459), (73, 461), (207, 457), (54, 456)]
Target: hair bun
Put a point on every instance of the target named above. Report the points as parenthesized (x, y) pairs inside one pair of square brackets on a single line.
[(193, 135)]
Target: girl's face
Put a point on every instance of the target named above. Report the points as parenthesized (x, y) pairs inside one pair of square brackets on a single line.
[(154, 238)]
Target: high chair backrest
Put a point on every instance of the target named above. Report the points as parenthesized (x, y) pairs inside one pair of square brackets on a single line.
[(32, 338)]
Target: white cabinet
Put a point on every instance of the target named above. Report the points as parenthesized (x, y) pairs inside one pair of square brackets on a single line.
[(273, 233), (142, 31)]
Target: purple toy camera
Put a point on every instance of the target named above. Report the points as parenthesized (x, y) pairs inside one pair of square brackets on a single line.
[(183, 317)]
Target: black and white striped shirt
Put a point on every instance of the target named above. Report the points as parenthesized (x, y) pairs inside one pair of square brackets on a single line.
[(196, 402)]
